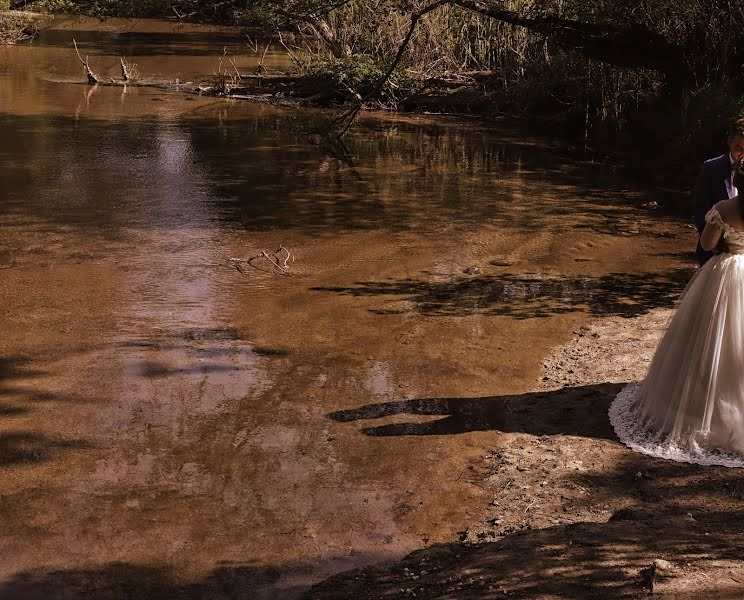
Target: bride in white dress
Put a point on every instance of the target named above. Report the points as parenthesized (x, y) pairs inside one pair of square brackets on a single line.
[(690, 406)]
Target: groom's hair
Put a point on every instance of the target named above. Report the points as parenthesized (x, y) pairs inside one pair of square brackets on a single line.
[(737, 128)]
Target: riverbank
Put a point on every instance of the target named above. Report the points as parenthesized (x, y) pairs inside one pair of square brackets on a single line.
[(573, 511)]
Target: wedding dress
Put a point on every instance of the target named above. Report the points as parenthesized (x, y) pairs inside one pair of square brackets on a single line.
[(690, 406)]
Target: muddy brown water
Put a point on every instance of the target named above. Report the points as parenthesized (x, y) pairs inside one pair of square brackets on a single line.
[(173, 426)]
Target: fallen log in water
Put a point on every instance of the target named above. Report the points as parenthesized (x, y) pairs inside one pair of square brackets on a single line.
[(259, 87)]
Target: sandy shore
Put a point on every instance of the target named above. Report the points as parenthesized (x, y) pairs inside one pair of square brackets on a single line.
[(574, 513)]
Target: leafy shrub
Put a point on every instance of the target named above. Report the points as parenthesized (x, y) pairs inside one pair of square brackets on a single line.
[(359, 73)]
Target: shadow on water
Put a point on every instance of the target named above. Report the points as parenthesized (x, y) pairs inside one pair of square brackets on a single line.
[(616, 294), (16, 398), (14, 369), (538, 413), (126, 581), (27, 448)]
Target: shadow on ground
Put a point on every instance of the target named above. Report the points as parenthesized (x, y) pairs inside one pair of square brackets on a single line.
[(610, 560), (122, 580), (555, 537), (579, 411), (689, 517)]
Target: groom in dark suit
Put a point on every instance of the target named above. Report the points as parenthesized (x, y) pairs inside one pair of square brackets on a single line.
[(714, 182)]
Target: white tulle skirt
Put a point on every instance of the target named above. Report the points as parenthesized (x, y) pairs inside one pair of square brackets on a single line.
[(690, 406)]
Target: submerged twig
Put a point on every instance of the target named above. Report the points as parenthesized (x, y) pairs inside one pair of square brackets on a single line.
[(274, 261), (289, 255), (277, 260)]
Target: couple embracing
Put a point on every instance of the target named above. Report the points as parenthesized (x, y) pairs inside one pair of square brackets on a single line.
[(690, 406)]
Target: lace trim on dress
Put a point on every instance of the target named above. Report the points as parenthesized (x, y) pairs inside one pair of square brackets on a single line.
[(734, 239), (641, 436), (715, 218)]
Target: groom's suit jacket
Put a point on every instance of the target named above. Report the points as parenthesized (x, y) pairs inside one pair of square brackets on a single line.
[(710, 188)]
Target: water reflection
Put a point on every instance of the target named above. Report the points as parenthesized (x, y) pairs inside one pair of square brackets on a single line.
[(176, 339), (257, 173)]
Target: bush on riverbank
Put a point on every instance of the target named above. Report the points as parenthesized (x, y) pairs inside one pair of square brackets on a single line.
[(358, 74), (16, 26)]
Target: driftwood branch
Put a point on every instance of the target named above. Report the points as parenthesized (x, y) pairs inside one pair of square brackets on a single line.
[(235, 68), (92, 79), (129, 70), (286, 258), (274, 261), (183, 16), (124, 72), (222, 87)]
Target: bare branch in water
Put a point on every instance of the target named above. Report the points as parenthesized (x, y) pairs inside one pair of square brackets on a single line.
[(125, 73), (92, 79), (235, 67), (129, 70), (260, 68), (293, 57)]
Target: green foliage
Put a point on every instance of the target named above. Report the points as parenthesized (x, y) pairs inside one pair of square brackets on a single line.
[(359, 73)]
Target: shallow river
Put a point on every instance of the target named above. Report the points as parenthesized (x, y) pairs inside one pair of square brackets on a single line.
[(177, 423)]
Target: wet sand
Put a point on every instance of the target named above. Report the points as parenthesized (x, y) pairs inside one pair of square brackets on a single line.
[(171, 425), (572, 512)]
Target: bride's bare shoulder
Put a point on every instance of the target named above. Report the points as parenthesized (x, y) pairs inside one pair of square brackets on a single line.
[(730, 211)]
